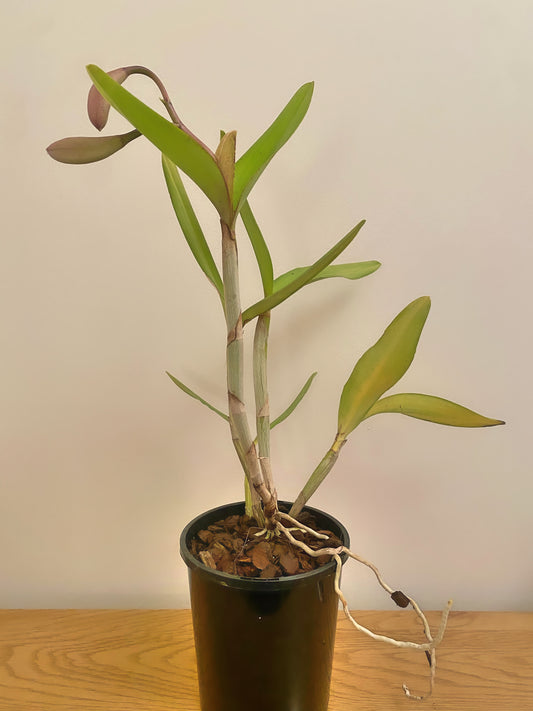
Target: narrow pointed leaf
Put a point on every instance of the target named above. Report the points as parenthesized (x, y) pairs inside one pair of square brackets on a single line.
[(294, 404), (194, 395), (250, 165), (180, 147), (382, 365), (354, 270), (302, 279), (88, 149), (432, 409), (260, 248), (190, 226)]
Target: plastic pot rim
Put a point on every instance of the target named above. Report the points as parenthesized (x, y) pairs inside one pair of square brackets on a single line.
[(259, 584)]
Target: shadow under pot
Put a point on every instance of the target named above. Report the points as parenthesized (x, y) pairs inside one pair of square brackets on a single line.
[(262, 645)]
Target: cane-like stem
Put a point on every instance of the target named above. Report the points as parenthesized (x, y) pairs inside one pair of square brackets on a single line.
[(240, 430), (317, 477), (262, 406)]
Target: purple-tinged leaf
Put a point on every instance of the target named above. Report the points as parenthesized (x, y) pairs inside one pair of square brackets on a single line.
[(85, 149), (97, 106)]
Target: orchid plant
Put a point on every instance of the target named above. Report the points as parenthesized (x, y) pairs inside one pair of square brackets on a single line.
[(227, 182)]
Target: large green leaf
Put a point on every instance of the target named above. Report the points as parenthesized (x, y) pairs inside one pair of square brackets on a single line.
[(187, 153), (302, 279), (194, 395), (250, 165), (382, 365), (190, 226), (354, 270), (432, 409), (260, 248)]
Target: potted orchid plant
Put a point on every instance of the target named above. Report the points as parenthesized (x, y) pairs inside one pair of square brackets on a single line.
[(265, 574)]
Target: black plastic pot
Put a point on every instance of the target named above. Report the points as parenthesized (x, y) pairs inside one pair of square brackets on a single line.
[(262, 645)]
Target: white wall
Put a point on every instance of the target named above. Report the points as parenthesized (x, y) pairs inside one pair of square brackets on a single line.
[(420, 123)]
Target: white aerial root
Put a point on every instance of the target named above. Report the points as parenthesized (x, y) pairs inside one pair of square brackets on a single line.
[(400, 598), (302, 527)]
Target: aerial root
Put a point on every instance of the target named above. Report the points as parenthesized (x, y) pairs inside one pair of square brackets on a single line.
[(400, 598)]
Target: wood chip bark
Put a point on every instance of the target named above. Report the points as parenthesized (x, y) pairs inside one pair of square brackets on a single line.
[(207, 559), (232, 546), (289, 562), (261, 555)]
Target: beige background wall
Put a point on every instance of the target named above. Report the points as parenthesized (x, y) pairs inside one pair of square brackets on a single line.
[(420, 123)]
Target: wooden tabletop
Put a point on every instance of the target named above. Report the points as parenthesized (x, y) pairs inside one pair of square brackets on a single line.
[(133, 660)]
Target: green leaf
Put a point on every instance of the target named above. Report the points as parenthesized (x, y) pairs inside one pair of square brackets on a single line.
[(432, 409), (250, 165), (302, 279), (190, 226), (294, 404), (194, 395), (354, 270), (260, 248), (382, 365), (89, 149), (182, 149)]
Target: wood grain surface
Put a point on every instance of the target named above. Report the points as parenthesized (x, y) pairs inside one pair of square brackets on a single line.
[(128, 660)]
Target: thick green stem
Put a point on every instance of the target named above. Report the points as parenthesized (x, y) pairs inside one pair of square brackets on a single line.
[(262, 406), (318, 476), (240, 430)]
